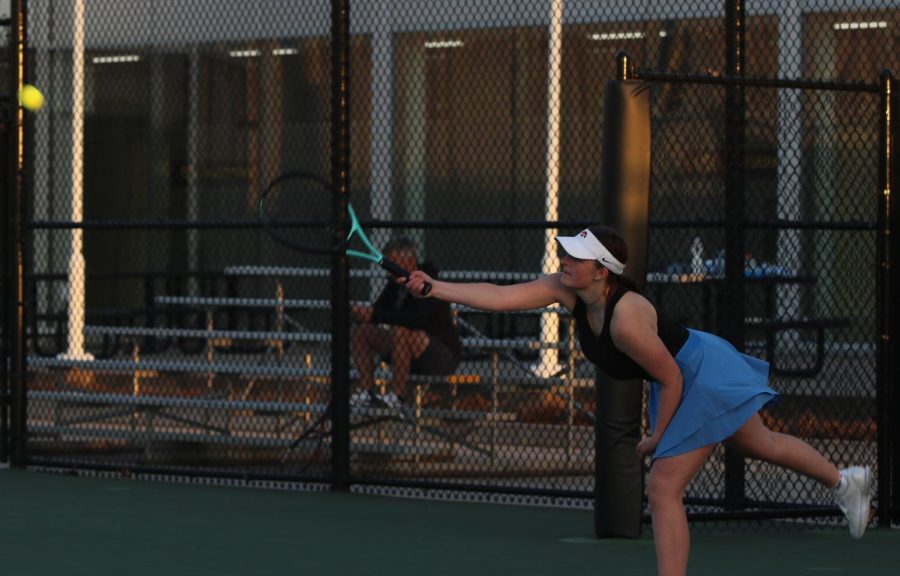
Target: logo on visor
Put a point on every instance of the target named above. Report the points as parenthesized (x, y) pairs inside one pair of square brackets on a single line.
[(583, 233)]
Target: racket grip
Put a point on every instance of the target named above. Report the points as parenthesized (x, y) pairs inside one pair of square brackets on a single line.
[(401, 272), (394, 268)]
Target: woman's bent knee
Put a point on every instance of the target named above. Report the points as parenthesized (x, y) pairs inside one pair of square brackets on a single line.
[(661, 493)]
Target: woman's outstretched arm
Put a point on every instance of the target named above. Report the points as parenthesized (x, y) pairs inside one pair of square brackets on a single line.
[(544, 291)]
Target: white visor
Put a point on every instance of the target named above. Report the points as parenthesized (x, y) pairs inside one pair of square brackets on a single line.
[(586, 247)]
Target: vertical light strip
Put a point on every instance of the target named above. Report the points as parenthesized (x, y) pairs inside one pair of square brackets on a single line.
[(76, 258), (550, 321)]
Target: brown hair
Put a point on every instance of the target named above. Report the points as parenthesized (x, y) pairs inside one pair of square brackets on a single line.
[(618, 248), (401, 245)]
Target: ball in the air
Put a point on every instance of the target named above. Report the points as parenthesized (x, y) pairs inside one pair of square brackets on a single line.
[(31, 98)]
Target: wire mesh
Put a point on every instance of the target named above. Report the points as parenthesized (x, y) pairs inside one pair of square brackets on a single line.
[(190, 342)]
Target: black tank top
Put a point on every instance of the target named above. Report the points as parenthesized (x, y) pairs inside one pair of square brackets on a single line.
[(601, 351)]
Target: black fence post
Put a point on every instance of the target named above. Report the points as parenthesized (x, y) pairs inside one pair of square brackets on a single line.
[(732, 313), (618, 475), (340, 301), (14, 328), (6, 274), (888, 390)]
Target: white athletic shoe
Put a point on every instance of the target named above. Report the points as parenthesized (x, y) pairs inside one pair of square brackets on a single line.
[(853, 496), (391, 400), (361, 399)]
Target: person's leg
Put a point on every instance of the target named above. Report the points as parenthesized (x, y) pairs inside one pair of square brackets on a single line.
[(755, 440), (666, 484), (851, 487), (406, 346), (367, 341)]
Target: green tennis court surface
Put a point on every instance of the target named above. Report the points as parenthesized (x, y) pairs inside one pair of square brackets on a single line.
[(64, 525)]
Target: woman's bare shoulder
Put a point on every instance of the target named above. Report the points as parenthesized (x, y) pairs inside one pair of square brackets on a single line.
[(635, 302), (632, 312)]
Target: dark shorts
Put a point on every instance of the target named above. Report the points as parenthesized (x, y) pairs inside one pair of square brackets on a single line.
[(436, 360)]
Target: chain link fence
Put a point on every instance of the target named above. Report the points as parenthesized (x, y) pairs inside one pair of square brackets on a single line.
[(167, 333), (808, 249)]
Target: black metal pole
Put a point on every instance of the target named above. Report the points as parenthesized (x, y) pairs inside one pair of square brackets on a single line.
[(732, 313), (19, 412), (7, 117), (340, 301), (888, 399), (14, 328), (893, 163), (618, 472)]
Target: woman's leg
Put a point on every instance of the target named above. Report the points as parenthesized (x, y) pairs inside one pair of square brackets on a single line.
[(666, 483), (853, 493), (755, 440)]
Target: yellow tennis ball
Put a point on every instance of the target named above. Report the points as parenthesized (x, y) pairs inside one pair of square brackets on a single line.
[(30, 98)]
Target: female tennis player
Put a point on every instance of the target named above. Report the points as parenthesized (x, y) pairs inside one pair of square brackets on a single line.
[(702, 392)]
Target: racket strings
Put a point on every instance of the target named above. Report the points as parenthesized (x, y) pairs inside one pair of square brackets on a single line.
[(296, 210)]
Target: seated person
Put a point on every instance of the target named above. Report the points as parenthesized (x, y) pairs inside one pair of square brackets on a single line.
[(412, 334)]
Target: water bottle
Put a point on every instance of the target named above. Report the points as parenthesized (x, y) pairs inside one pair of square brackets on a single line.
[(697, 266)]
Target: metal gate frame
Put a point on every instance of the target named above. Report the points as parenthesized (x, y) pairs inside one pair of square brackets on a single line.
[(887, 242), (12, 363)]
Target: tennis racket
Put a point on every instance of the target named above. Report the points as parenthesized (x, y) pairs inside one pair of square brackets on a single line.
[(295, 210)]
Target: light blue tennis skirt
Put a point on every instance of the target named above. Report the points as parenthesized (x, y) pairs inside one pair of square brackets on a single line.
[(723, 388)]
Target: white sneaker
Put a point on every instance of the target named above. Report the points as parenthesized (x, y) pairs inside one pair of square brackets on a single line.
[(391, 400), (361, 398), (853, 497)]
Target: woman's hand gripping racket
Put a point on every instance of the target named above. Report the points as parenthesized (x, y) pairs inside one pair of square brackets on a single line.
[(295, 210)]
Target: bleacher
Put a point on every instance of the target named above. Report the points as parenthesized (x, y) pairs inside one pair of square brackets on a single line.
[(144, 412)]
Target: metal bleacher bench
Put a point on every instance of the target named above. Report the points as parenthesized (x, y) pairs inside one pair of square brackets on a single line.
[(218, 425), (174, 407), (495, 345), (225, 337), (773, 327), (288, 272), (102, 421)]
